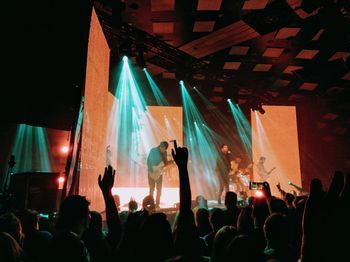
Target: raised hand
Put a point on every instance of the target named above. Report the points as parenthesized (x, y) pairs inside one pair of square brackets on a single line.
[(113, 222), (106, 182), (267, 189), (180, 155), (278, 186)]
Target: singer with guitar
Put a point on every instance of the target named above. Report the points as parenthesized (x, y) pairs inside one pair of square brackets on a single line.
[(156, 162)]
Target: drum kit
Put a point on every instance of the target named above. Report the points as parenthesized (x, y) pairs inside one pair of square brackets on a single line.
[(244, 178), (243, 175)]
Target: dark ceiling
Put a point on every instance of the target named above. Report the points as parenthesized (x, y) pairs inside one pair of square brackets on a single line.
[(275, 52), (291, 52)]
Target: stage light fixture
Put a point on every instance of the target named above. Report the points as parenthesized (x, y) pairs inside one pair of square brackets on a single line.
[(65, 149), (260, 109), (259, 193)]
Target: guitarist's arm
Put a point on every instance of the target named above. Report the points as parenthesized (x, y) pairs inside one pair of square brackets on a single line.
[(271, 170)]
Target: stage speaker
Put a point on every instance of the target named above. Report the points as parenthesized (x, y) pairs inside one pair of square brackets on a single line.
[(35, 190)]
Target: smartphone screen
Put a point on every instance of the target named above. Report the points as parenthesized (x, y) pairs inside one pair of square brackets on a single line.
[(255, 185)]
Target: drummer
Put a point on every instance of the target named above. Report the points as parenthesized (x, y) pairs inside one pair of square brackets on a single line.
[(236, 174)]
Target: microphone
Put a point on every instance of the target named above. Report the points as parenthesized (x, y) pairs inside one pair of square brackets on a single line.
[(294, 185), (12, 161)]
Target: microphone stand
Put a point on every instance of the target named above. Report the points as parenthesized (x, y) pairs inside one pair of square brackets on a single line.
[(11, 164), (5, 196)]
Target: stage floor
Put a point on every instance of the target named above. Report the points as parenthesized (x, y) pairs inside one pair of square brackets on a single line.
[(169, 199)]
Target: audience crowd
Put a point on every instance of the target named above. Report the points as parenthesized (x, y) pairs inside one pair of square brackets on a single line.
[(288, 228)]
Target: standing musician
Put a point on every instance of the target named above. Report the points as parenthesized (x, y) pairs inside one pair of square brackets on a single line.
[(261, 170), (223, 166), (156, 161)]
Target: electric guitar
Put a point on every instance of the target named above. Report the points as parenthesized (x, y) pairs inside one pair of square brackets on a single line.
[(263, 173), (266, 174), (160, 169)]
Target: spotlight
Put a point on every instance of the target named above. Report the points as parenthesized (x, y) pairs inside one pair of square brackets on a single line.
[(181, 82), (60, 181), (257, 107), (65, 149), (125, 58), (229, 100), (261, 109), (259, 193)]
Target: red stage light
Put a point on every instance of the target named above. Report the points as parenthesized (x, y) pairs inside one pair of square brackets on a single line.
[(65, 149), (60, 181), (259, 193)]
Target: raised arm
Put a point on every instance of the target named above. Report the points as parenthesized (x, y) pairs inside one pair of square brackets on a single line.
[(113, 222), (180, 155), (268, 195), (282, 192)]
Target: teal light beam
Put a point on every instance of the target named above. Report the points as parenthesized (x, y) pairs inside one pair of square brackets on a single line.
[(160, 98), (202, 149), (243, 127)]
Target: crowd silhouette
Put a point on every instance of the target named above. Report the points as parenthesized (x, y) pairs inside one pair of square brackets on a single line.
[(309, 227)]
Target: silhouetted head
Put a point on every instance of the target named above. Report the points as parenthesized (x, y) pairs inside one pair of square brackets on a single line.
[(10, 224), (29, 220), (289, 198), (74, 214), (243, 248), (156, 241), (230, 199), (217, 218), (276, 231), (222, 238), (316, 188), (278, 206), (10, 250), (202, 216)]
